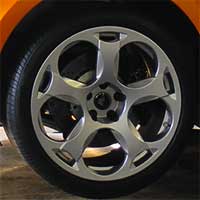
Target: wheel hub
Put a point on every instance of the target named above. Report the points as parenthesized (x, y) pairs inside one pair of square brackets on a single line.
[(105, 103)]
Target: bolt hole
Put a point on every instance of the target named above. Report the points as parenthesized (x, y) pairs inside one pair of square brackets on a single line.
[(104, 85), (93, 114), (89, 96), (112, 115), (119, 96)]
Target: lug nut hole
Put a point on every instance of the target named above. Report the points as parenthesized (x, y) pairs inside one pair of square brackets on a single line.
[(93, 114), (104, 85), (89, 96), (112, 115), (119, 96)]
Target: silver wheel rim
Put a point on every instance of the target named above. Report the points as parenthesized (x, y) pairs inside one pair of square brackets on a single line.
[(126, 133)]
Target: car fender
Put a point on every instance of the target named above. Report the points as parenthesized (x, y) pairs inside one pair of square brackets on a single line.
[(13, 11)]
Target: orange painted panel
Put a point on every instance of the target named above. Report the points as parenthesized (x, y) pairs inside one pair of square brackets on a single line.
[(5, 5), (11, 13), (192, 9)]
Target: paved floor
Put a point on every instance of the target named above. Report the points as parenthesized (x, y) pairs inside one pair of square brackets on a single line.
[(19, 182)]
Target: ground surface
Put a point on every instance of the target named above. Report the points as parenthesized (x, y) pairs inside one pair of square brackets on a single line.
[(19, 182)]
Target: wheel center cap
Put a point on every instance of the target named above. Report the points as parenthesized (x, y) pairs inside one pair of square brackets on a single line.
[(102, 101), (105, 103)]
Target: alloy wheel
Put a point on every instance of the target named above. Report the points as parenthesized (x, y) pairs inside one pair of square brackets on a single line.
[(125, 99)]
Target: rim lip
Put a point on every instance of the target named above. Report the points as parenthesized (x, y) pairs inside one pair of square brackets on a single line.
[(174, 125)]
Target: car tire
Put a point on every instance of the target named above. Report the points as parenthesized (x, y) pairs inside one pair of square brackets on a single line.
[(19, 117)]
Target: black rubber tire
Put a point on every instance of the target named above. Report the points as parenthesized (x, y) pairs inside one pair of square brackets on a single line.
[(19, 122)]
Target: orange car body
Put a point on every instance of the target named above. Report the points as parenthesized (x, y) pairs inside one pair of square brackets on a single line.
[(13, 11)]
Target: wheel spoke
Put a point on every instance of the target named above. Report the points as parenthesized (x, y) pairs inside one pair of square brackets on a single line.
[(160, 144), (172, 103), (62, 88), (147, 90), (131, 141), (78, 139), (108, 59), (49, 144), (65, 87)]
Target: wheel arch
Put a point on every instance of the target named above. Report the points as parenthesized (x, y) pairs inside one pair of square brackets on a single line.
[(43, 15)]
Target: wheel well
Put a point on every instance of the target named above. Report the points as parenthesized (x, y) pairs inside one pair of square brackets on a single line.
[(45, 14)]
